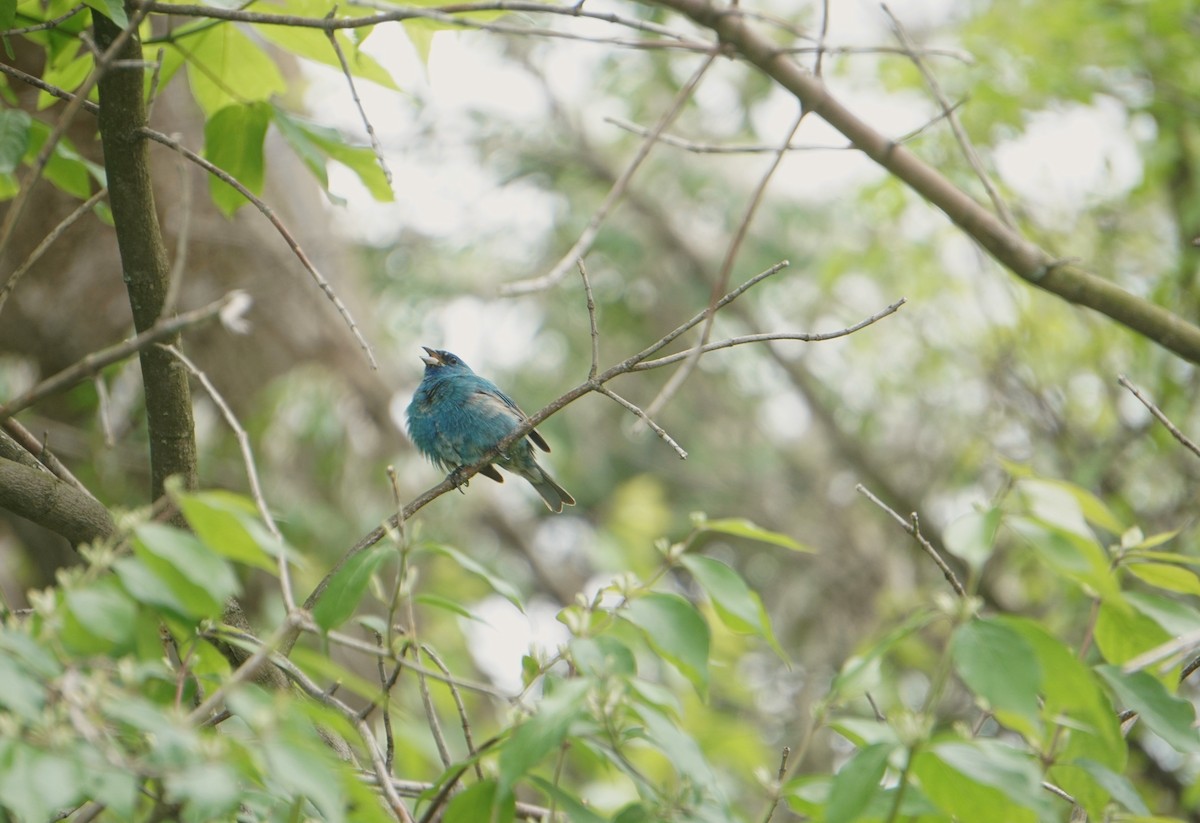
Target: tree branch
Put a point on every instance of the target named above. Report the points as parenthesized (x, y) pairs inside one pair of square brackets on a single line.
[(1027, 260), (42, 498)]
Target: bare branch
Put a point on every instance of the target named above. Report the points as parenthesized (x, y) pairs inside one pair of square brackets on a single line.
[(270, 214), (1187, 442), (960, 134), (588, 235), (95, 361), (362, 112), (1024, 258), (44, 246), (256, 493), (913, 527)]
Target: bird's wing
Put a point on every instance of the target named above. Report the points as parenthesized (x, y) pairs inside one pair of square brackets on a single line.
[(500, 403)]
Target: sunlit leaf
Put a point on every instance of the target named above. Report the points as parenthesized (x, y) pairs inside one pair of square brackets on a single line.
[(233, 141), (1170, 717), (345, 590), (738, 527), (1002, 668), (227, 68), (856, 783), (14, 138), (676, 631), (536, 737), (739, 607)]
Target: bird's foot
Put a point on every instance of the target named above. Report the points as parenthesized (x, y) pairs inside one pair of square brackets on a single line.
[(456, 477)]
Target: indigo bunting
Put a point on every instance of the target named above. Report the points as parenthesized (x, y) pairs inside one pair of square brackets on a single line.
[(456, 417)]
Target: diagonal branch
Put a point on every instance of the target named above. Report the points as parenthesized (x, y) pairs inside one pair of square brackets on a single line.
[(96, 361), (1025, 259)]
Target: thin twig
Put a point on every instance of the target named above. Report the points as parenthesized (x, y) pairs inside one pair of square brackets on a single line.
[(645, 418), (395, 803), (447, 15), (731, 252), (362, 112), (1159, 415), (913, 527), (256, 492), (247, 670), (52, 23), (42, 247), (25, 439), (270, 214), (95, 361), (764, 148), (592, 229), (179, 264), (778, 787), (960, 134), (435, 726), (463, 720), (766, 337), (591, 310)]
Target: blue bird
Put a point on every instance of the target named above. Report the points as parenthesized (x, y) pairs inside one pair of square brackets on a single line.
[(456, 417)]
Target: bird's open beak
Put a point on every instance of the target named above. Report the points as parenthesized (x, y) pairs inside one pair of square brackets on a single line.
[(431, 357)]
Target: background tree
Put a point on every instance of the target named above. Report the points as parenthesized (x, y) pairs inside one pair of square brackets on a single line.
[(1018, 659)]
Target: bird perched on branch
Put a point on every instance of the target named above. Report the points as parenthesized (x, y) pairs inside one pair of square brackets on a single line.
[(456, 417)]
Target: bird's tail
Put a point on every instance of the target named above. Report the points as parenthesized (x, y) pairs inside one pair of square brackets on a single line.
[(554, 495)]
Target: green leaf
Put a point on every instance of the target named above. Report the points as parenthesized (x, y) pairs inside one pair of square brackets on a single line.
[(1164, 576), (66, 169), (317, 144), (501, 586), (348, 585), (8, 16), (739, 527), (1117, 785), (681, 749), (603, 655), (575, 810), (226, 68), (14, 138), (1123, 635), (735, 603), (22, 693), (299, 763), (972, 536), (857, 782), (1014, 772), (1068, 506), (313, 44), (482, 802), (1002, 668), (104, 610), (228, 524), (36, 784), (114, 10), (1175, 617), (1170, 717), (1072, 692), (438, 602), (860, 673), (210, 791), (538, 736), (233, 141), (957, 777), (676, 631), (199, 578), (1077, 557)]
